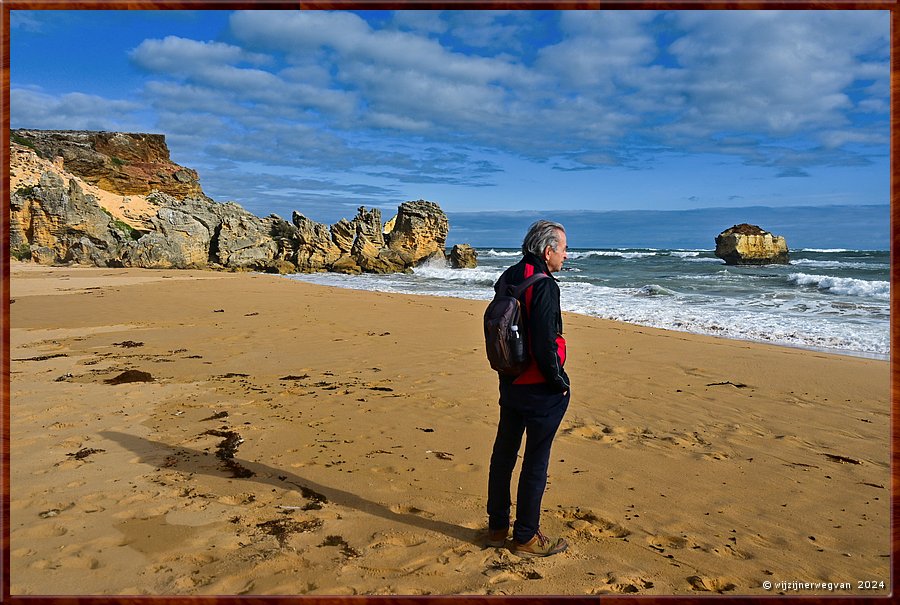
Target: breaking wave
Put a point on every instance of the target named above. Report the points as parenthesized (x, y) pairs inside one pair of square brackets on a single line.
[(846, 286)]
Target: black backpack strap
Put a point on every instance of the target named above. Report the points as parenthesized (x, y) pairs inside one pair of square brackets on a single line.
[(518, 290)]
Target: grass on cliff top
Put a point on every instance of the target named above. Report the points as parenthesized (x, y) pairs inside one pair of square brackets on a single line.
[(25, 142)]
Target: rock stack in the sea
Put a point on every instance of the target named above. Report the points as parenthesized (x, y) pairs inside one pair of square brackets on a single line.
[(746, 244), (162, 219), (463, 256)]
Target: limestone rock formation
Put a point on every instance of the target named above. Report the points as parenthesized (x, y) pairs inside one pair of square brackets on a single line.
[(746, 244), (59, 214), (346, 264), (179, 241), (420, 231), (123, 163), (195, 232), (245, 240), (389, 226), (368, 223), (365, 254), (315, 249), (342, 234), (463, 256), (55, 222)]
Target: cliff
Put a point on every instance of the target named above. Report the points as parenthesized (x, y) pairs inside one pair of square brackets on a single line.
[(122, 163), (114, 199)]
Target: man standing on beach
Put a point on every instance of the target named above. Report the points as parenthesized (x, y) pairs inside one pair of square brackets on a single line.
[(533, 403)]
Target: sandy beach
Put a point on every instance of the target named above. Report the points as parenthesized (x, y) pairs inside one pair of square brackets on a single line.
[(195, 432)]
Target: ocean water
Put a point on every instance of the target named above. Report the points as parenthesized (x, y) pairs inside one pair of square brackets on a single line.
[(833, 300)]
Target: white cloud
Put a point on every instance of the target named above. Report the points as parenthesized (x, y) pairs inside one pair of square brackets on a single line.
[(487, 29), (354, 41), (328, 88), (176, 55), (398, 122), (599, 47), (424, 21), (777, 73), (834, 139), (73, 111)]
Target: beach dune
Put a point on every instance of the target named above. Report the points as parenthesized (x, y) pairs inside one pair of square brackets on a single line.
[(192, 432)]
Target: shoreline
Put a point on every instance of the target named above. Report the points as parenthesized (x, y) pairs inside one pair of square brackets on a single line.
[(367, 418), (291, 276), (830, 351)]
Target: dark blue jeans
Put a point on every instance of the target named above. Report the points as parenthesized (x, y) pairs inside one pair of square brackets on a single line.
[(535, 411)]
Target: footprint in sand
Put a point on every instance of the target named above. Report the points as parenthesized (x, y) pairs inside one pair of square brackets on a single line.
[(509, 570), (626, 585), (411, 510), (382, 540), (732, 551), (77, 561), (707, 584), (595, 432), (589, 523)]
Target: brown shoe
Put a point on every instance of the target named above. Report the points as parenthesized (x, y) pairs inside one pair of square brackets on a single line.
[(540, 546), (497, 537)]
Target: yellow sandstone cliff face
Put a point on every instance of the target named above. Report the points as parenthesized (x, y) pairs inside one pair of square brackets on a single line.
[(750, 245), (26, 168)]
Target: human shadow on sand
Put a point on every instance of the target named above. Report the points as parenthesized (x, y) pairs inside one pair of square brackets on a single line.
[(199, 462)]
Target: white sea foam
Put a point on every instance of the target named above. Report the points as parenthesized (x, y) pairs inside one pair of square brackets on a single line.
[(686, 254), (825, 250), (611, 254), (444, 273), (498, 254), (704, 259), (836, 264), (728, 318), (846, 286)]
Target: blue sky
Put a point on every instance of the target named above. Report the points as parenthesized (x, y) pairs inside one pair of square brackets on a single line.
[(324, 111)]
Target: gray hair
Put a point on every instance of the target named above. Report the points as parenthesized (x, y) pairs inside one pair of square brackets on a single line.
[(540, 235)]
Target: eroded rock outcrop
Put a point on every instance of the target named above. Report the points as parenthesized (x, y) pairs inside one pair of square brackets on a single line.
[(316, 251), (419, 232), (746, 244), (196, 232), (53, 220), (60, 223), (463, 256), (368, 223)]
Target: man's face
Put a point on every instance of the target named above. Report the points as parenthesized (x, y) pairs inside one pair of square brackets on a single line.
[(556, 257)]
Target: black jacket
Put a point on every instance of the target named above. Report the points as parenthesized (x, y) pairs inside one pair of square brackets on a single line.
[(544, 322)]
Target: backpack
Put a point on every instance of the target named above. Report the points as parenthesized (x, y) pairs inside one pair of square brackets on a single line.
[(504, 331)]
